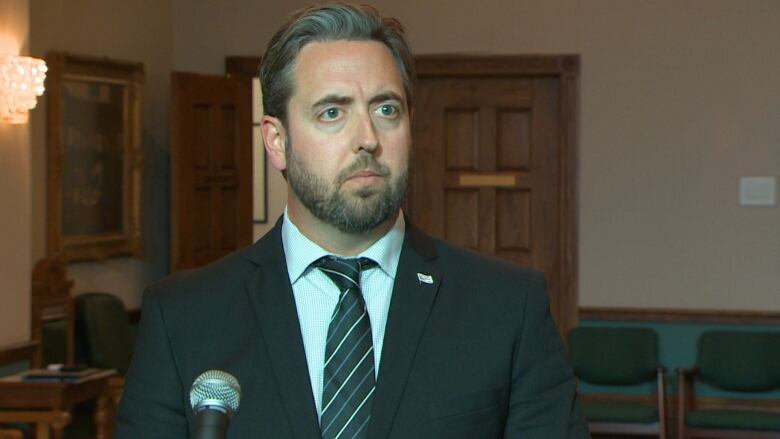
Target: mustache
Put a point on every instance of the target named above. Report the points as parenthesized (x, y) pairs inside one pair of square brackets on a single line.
[(364, 162)]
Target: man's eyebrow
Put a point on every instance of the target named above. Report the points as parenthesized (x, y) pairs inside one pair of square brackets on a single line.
[(332, 99), (386, 96)]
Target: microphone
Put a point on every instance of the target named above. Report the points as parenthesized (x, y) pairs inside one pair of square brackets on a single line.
[(214, 397)]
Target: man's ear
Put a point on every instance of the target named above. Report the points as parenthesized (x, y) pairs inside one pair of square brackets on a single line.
[(275, 140)]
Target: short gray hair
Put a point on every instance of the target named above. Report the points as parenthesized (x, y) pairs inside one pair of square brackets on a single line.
[(328, 22)]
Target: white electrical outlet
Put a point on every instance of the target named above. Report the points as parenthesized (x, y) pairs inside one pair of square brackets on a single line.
[(757, 191)]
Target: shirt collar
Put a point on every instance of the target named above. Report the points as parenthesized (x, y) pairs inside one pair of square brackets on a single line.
[(300, 251)]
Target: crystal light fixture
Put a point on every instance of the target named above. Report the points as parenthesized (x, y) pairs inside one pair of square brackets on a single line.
[(21, 82)]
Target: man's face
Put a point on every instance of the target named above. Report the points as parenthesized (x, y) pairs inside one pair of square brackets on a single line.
[(349, 135)]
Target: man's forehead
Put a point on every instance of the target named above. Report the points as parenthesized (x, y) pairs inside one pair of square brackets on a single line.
[(335, 67)]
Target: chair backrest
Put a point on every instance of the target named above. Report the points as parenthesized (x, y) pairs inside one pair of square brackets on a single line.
[(740, 360), (51, 312), (103, 332), (614, 356)]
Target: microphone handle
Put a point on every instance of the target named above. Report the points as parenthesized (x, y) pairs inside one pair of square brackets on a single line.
[(210, 424)]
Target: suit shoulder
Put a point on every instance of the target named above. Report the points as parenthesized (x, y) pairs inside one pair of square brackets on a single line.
[(221, 274), (486, 286), (461, 259)]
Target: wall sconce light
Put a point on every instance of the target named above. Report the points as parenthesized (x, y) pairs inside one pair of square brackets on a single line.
[(21, 82)]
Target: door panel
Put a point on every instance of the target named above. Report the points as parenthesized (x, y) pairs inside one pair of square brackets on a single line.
[(211, 168), (488, 165)]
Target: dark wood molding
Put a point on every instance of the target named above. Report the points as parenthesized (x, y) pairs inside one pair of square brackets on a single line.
[(13, 353), (669, 315), (496, 65)]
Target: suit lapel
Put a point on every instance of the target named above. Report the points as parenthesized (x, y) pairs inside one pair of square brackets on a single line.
[(410, 306), (271, 295)]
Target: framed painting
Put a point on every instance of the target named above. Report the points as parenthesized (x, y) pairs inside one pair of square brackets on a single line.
[(94, 157)]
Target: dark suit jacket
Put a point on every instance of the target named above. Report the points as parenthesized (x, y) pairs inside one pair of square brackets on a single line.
[(475, 354)]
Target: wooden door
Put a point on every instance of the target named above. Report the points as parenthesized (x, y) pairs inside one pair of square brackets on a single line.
[(493, 162), (211, 168)]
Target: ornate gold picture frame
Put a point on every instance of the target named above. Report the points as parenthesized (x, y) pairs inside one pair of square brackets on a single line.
[(94, 157)]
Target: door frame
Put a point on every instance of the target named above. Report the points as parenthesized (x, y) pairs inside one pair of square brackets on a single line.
[(566, 69)]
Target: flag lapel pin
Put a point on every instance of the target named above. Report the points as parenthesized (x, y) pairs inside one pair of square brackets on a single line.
[(425, 278)]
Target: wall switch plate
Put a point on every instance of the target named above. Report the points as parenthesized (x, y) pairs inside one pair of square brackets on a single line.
[(757, 191)]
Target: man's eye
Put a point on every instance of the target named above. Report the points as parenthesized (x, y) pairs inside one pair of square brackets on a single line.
[(387, 110), (331, 114)]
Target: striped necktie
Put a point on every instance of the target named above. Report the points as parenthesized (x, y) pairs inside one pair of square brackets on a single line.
[(348, 378)]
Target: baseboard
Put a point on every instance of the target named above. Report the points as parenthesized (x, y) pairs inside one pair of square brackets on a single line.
[(669, 315)]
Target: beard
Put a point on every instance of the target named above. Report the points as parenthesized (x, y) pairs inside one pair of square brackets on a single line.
[(358, 211)]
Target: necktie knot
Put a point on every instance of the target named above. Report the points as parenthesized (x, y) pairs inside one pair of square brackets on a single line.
[(344, 272)]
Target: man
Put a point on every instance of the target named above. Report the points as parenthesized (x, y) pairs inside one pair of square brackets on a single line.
[(344, 321)]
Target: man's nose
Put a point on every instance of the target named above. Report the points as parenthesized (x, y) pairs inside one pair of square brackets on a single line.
[(366, 136)]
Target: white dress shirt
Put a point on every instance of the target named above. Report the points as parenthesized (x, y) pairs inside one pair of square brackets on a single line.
[(316, 295)]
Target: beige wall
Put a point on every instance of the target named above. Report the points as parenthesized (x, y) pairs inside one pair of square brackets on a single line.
[(15, 193), (678, 99), (125, 30)]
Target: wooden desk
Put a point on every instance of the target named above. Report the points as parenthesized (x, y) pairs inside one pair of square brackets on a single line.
[(48, 405)]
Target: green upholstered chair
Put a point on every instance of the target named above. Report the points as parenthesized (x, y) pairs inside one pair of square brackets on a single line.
[(736, 361), (104, 338), (614, 358)]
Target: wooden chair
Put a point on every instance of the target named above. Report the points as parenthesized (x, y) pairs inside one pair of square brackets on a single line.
[(735, 361), (615, 358), (52, 314)]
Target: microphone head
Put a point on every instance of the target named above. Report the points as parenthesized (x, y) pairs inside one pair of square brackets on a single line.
[(215, 389)]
